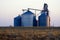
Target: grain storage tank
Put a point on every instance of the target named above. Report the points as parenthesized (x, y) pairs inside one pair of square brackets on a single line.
[(42, 20), (28, 19), (17, 21), (34, 21)]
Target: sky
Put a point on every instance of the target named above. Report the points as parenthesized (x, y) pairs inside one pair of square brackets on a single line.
[(12, 8)]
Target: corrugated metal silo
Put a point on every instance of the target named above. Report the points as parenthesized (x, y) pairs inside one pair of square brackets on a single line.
[(17, 21), (42, 20), (28, 19)]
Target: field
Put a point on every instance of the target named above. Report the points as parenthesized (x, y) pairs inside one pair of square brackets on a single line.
[(29, 33)]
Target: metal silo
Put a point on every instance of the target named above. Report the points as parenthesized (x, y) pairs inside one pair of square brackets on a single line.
[(17, 21), (42, 20), (28, 19), (34, 21)]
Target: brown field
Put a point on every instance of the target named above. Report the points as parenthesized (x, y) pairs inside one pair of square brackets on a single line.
[(29, 33)]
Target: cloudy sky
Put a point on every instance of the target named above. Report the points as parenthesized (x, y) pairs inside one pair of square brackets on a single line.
[(11, 8)]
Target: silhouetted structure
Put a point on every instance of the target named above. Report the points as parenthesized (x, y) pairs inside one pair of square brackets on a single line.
[(29, 19), (43, 19), (34, 21), (17, 21)]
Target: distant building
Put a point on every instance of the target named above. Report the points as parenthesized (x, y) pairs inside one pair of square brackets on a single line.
[(44, 19), (28, 19), (17, 21)]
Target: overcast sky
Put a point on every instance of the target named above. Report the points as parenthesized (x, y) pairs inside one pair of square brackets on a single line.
[(11, 8)]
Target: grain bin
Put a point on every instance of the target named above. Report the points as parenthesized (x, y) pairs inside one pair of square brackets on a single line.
[(17, 21), (42, 19), (28, 19)]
